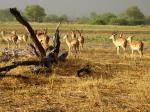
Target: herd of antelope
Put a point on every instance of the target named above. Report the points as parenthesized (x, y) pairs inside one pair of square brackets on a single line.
[(16, 39), (75, 41), (120, 41)]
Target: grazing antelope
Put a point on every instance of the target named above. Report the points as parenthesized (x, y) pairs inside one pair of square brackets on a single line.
[(136, 45), (9, 37), (80, 39), (43, 37), (72, 44), (119, 42)]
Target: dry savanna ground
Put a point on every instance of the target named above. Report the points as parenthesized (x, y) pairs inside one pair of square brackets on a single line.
[(116, 83)]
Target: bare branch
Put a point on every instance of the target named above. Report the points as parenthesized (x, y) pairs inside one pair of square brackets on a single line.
[(58, 26), (20, 63), (34, 49), (20, 19)]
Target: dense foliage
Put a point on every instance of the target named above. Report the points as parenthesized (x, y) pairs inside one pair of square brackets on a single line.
[(34, 13)]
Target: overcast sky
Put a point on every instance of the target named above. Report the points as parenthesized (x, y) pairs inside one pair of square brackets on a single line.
[(75, 8)]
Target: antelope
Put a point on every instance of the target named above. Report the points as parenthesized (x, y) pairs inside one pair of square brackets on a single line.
[(9, 37), (23, 37), (43, 37), (119, 42), (73, 34), (80, 39), (136, 45), (72, 44)]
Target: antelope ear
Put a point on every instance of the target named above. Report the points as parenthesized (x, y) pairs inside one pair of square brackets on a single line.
[(114, 33)]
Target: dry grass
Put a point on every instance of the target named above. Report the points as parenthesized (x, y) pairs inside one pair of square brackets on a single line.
[(116, 84)]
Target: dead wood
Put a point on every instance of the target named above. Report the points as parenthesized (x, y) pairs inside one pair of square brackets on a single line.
[(48, 57), (5, 57), (46, 62), (20, 19), (86, 70), (34, 50), (19, 63)]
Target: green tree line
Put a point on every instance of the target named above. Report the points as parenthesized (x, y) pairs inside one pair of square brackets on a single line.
[(35, 13)]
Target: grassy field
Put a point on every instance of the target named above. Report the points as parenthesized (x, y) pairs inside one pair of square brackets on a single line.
[(116, 83)]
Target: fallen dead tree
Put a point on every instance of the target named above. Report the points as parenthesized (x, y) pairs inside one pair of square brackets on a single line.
[(16, 64), (45, 57), (46, 62)]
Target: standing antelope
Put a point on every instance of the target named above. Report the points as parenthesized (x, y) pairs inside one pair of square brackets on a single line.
[(9, 37), (80, 39), (72, 44), (119, 42), (136, 45), (74, 35), (23, 37), (43, 38)]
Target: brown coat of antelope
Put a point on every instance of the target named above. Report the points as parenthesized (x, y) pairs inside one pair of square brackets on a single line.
[(80, 39), (73, 44), (43, 38), (136, 45), (23, 37), (119, 42), (12, 37)]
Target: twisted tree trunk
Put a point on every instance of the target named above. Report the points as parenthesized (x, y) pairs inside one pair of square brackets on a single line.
[(45, 60), (21, 20)]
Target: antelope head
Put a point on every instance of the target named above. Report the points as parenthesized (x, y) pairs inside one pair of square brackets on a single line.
[(113, 35), (73, 34), (79, 32), (130, 38), (45, 31), (66, 36)]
